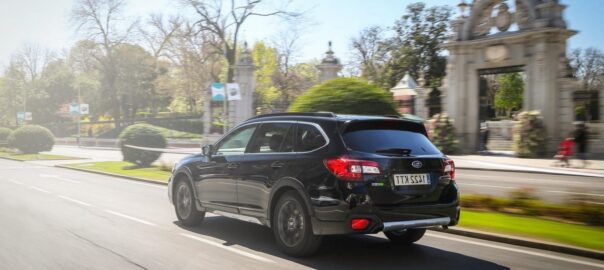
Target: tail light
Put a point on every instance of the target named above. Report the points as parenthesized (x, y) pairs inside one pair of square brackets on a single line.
[(350, 169), (449, 168), (359, 224)]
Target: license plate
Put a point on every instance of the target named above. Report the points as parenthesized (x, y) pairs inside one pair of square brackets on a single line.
[(411, 179)]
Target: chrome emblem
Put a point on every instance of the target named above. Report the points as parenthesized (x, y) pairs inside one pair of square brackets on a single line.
[(417, 164)]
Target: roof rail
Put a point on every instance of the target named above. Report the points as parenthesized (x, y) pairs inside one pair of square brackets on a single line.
[(317, 114)]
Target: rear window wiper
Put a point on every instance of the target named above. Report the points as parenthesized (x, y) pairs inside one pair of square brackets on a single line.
[(395, 151)]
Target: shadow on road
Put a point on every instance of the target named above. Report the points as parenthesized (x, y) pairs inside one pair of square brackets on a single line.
[(342, 252)]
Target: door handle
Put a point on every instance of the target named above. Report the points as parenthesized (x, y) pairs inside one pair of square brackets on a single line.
[(232, 165), (277, 164)]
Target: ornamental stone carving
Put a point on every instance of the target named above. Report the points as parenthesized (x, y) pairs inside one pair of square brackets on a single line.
[(522, 16), (483, 25), (504, 18)]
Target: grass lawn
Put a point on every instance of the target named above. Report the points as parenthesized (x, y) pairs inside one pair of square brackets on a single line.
[(546, 230), (32, 157), (122, 168)]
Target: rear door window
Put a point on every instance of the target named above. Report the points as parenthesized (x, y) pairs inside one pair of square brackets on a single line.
[(309, 138), (394, 138), (272, 138)]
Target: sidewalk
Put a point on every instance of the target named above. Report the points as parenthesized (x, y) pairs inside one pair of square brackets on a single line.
[(509, 163)]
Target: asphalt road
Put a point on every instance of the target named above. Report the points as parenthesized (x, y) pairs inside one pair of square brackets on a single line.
[(52, 218), (557, 188)]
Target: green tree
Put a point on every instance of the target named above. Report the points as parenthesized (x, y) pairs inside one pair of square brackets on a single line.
[(443, 134), (414, 47), (55, 88), (509, 94), (11, 86), (224, 23), (103, 23), (347, 96), (135, 69), (265, 59)]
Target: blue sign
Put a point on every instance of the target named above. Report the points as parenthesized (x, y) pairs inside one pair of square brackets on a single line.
[(74, 108), (218, 91)]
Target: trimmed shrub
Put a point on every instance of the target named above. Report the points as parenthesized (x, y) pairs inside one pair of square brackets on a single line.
[(346, 96), (443, 134), (31, 139), (529, 135), (142, 135), (4, 133)]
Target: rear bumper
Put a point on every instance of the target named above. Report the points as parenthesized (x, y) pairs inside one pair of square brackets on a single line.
[(420, 223), (392, 218)]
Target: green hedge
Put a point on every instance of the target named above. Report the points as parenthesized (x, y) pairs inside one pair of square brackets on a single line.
[(443, 134), (143, 135), (4, 133), (184, 125), (346, 96), (31, 139)]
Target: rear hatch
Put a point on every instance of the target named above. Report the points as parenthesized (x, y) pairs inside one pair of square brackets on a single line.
[(410, 166)]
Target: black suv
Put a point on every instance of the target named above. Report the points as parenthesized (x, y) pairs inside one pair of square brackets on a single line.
[(306, 175)]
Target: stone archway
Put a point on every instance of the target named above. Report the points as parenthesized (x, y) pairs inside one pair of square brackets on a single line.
[(500, 34)]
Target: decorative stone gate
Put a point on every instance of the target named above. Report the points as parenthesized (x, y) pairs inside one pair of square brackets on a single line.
[(527, 35)]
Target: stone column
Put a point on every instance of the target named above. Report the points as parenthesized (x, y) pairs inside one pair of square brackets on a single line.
[(329, 67), (245, 71)]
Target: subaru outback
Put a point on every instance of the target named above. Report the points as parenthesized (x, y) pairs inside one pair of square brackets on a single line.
[(307, 175)]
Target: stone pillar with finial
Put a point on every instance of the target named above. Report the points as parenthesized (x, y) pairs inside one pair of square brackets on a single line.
[(330, 66), (245, 76)]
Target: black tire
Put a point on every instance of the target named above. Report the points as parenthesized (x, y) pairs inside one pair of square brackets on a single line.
[(405, 237), (184, 204), (292, 226)]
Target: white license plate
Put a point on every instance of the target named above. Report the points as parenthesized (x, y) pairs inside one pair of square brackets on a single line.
[(411, 179)]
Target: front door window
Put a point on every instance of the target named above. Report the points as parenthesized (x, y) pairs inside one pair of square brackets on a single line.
[(236, 142)]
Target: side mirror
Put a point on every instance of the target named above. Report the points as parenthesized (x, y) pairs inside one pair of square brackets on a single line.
[(206, 150)]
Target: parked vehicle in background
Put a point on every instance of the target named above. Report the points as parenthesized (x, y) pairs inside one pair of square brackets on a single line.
[(306, 175)]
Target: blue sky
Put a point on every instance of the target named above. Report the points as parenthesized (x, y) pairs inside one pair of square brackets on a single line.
[(46, 23)]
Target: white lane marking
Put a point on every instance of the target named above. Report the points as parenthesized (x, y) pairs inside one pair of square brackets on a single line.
[(129, 217), (16, 182), (39, 189), (533, 253), (532, 169), (58, 177), (576, 193), (477, 185), (74, 200), (232, 249)]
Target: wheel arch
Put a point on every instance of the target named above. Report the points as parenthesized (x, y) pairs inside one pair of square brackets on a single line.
[(186, 174), (282, 186)]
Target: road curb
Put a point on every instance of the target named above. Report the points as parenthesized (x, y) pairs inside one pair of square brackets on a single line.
[(115, 175), (524, 242), (570, 173)]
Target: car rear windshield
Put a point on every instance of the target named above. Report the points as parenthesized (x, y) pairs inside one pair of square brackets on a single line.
[(395, 138)]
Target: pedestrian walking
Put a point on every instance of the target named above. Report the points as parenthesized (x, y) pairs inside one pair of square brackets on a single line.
[(565, 151), (484, 136), (581, 141)]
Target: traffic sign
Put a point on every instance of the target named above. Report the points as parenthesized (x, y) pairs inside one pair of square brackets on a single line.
[(84, 108), (74, 108)]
